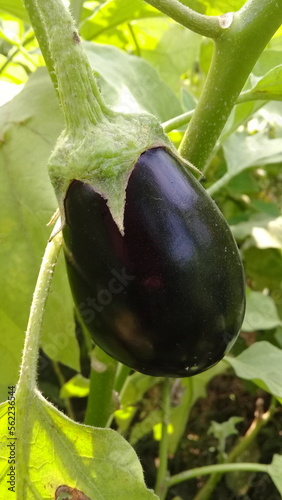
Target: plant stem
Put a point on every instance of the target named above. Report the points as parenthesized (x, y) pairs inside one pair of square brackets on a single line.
[(212, 469), (258, 422), (210, 26), (80, 98), (236, 51), (100, 403), (41, 35), (28, 372), (160, 488), (177, 121)]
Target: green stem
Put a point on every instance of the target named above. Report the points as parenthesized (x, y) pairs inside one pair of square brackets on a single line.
[(160, 488), (177, 121), (28, 372), (80, 98), (236, 51), (211, 27), (41, 35), (100, 404), (236, 452), (122, 373), (212, 469)]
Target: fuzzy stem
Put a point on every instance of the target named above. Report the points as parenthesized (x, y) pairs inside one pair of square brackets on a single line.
[(236, 51), (160, 488), (100, 405), (28, 372), (208, 26), (42, 36), (80, 98)]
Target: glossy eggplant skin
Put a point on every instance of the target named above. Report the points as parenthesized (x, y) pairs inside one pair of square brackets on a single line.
[(167, 298)]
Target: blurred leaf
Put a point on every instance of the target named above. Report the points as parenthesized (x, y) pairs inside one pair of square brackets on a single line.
[(269, 85), (264, 267), (242, 151), (15, 8), (194, 388), (131, 84), (113, 13), (76, 387), (275, 472), (216, 7), (260, 363), (261, 313), (174, 54), (94, 460), (222, 431), (132, 393), (146, 426), (265, 231), (268, 60)]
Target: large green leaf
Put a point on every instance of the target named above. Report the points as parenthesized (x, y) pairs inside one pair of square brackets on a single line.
[(174, 54), (114, 13), (130, 83), (53, 450), (29, 126), (14, 8), (243, 151), (267, 86), (260, 363), (263, 231), (261, 313)]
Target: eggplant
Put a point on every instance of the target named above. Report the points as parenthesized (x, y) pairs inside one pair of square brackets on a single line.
[(166, 297)]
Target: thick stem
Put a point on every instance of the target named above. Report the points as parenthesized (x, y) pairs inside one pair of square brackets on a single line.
[(204, 25), (100, 404), (235, 53), (160, 488), (28, 372), (79, 94), (42, 36)]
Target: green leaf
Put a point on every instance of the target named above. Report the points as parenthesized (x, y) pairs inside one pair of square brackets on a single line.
[(15, 8), (76, 387), (29, 126), (133, 391), (264, 267), (222, 431), (275, 472), (129, 83), (113, 13), (265, 231), (170, 55), (242, 151), (269, 85), (261, 313), (56, 451), (261, 363)]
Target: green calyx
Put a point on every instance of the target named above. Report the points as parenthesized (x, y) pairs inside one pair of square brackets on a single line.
[(103, 156)]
